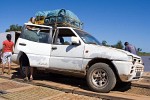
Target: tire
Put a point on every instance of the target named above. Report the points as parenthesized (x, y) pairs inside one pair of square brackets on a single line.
[(24, 62), (101, 78)]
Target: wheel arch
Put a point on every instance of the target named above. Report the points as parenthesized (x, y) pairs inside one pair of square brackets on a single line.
[(103, 60), (23, 56)]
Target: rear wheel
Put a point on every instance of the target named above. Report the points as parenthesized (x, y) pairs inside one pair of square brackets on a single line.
[(101, 78), (24, 63)]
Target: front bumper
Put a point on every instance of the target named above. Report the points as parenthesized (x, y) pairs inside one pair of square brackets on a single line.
[(128, 71)]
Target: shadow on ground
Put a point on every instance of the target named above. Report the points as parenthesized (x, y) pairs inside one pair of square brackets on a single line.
[(69, 80)]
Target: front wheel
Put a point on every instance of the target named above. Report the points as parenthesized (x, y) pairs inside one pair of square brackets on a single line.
[(101, 78)]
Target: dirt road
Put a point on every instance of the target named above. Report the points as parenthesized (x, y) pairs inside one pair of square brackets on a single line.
[(60, 87)]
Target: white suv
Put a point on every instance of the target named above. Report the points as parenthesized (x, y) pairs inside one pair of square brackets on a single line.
[(71, 51)]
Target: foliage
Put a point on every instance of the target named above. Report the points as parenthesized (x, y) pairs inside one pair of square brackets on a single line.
[(104, 43), (139, 49), (14, 28), (66, 43), (143, 54), (119, 45)]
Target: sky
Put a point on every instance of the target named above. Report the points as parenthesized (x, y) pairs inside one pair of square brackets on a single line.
[(109, 20)]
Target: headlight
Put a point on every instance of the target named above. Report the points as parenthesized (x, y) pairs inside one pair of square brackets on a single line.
[(130, 58)]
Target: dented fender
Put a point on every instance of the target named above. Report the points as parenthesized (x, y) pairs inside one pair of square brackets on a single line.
[(97, 51)]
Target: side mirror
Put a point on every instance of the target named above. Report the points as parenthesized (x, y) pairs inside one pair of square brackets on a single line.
[(75, 40)]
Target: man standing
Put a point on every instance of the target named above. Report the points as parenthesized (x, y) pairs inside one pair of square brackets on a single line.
[(130, 48), (7, 53)]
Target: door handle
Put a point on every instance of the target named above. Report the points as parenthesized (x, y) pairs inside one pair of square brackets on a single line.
[(23, 44), (54, 48)]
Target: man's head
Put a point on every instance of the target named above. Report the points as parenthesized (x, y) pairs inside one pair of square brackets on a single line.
[(8, 37), (126, 43), (32, 20)]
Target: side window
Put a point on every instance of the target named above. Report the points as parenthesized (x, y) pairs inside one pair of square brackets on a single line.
[(64, 37), (29, 35), (43, 37), (36, 34)]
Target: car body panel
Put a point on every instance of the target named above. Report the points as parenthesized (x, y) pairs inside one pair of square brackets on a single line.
[(67, 57)]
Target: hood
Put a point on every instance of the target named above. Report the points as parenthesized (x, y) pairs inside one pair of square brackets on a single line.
[(107, 53), (128, 53)]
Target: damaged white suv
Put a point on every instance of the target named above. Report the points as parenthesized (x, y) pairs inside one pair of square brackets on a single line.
[(71, 51)]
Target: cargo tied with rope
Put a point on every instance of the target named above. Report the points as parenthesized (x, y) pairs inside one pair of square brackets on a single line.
[(60, 17)]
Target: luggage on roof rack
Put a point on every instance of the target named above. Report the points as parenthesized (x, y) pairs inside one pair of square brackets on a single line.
[(60, 17)]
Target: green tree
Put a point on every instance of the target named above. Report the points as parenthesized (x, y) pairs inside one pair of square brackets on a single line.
[(119, 45), (139, 49), (14, 28), (104, 43)]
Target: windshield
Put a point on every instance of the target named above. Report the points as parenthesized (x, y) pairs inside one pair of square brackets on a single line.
[(87, 38)]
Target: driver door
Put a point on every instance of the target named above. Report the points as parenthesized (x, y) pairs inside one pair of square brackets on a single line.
[(65, 55)]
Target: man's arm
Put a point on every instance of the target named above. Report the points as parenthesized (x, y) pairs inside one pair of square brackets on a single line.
[(13, 48), (3, 49)]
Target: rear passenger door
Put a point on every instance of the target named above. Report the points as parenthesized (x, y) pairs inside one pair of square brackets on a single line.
[(36, 44)]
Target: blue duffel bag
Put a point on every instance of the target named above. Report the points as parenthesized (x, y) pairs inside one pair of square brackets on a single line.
[(62, 17)]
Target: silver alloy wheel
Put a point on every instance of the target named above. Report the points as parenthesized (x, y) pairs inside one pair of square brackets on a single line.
[(99, 78)]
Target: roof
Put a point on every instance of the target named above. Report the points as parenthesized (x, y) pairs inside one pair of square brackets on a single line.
[(38, 25)]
